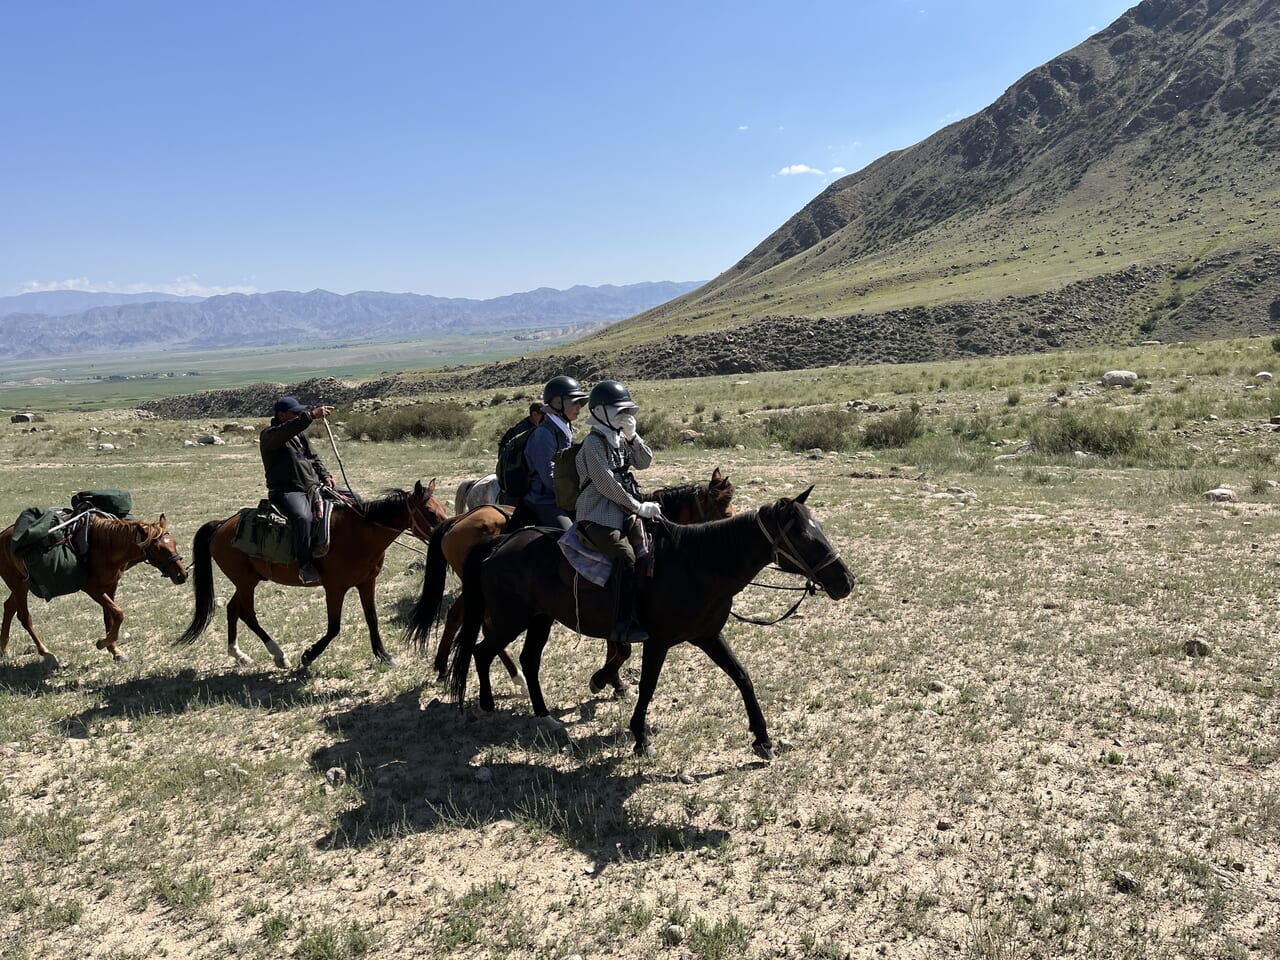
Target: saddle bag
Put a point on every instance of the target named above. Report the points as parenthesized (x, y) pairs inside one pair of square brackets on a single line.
[(118, 503), (263, 531), (57, 560)]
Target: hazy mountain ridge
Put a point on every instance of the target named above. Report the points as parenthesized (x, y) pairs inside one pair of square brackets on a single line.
[(283, 317), (61, 303)]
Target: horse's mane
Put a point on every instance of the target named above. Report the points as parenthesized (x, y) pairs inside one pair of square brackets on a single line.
[(118, 535), (687, 494), (698, 540), (387, 507)]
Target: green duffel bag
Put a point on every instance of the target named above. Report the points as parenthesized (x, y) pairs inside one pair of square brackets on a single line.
[(118, 503), (54, 568)]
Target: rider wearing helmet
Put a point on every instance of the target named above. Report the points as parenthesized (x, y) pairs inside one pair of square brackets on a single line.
[(561, 400), (610, 497)]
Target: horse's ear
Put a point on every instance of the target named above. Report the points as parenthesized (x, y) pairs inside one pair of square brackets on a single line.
[(805, 496), (431, 487), (163, 523), (417, 488), (716, 476)]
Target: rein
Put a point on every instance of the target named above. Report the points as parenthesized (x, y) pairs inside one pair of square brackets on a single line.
[(413, 527)]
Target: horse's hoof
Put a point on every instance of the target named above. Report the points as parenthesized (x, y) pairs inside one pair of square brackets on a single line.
[(120, 657), (476, 712), (51, 661), (645, 750), (623, 693), (242, 659), (101, 644), (763, 750), (282, 662), (387, 658)]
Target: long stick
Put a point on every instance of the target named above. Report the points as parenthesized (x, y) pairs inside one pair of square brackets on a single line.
[(333, 443)]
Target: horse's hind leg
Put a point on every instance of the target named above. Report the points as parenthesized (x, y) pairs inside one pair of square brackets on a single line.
[(238, 609), (615, 656), (333, 603), (17, 604), (452, 621)]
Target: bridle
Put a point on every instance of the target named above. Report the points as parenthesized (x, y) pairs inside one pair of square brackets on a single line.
[(414, 529), (173, 558), (782, 546)]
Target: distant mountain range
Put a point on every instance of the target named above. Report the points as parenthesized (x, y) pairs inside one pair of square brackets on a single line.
[(159, 321)]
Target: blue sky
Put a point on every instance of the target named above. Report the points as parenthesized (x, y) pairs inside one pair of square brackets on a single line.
[(467, 150)]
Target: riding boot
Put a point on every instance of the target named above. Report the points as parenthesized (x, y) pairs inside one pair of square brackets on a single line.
[(308, 574), (626, 629)]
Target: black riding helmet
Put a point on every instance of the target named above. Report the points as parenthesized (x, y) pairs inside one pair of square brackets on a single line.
[(610, 394), (560, 390)]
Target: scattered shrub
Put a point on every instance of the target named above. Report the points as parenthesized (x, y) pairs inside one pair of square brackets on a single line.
[(428, 421), (1275, 344), (658, 430), (497, 398), (1013, 398), (1093, 430), (893, 430), (827, 429), (723, 436)]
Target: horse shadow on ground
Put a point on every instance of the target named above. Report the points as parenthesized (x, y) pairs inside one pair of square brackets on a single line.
[(415, 768), (189, 689)]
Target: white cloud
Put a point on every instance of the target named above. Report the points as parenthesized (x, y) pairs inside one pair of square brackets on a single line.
[(796, 169), (185, 286), (742, 128), (839, 170)]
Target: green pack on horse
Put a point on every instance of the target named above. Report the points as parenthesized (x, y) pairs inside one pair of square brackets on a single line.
[(88, 552)]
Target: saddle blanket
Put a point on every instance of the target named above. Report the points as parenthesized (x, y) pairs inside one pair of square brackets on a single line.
[(589, 562)]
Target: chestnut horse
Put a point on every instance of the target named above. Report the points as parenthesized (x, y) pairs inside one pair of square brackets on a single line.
[(358, 539), (114, 547), (688, 503), (514, 583)]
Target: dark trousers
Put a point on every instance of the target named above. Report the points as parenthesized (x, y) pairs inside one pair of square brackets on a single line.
[(296, 505), (539, 515)]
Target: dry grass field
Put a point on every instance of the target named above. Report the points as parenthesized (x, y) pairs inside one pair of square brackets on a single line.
[(1044, 724)]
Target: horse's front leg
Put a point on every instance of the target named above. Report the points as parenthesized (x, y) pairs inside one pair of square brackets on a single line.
[(371, 618), (718, 649), (651, 661), (535, 640), (112, 618), (483, 656), (333, 598)]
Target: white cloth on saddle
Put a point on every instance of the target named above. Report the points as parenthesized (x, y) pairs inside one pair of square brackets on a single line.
[(586, 559)]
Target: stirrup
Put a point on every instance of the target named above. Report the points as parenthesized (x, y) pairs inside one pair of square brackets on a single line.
[(308, 574)]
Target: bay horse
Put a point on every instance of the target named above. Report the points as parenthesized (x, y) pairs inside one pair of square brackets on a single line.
[(515, 583), (358, 540), (114, 547), (684, 504)]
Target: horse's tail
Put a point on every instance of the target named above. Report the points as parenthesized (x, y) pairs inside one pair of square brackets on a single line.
[(202, 577), (460, 498), (473, 607), (427, 608)]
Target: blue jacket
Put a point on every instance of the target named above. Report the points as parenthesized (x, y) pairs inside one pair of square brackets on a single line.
[(541, 446)]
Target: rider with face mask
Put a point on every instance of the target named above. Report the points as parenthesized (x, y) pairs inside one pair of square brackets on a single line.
[(610, 497)]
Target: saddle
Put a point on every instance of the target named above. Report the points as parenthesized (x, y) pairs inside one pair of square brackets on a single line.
[(263, 531), (593, 568)]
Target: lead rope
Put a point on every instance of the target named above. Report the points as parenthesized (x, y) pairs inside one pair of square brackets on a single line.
[(333, 443)]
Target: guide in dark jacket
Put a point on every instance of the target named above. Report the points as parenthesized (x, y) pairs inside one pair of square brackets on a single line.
[(293, 470)]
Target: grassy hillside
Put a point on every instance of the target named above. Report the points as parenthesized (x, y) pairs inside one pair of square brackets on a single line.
[(1148, 145), (1044, 724)]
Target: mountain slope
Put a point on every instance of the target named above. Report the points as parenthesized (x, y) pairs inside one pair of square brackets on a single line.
[(61, 303), (1152, 143)]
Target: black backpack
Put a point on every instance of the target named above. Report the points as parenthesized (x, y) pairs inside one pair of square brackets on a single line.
[(512, 470)]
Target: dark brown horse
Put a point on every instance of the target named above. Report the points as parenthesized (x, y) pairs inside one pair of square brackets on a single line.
[(114, 547), (515, 583), (358, 539), (685, 504)]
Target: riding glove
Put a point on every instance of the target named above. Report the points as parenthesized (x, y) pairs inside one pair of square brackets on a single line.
[(649, 510)]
